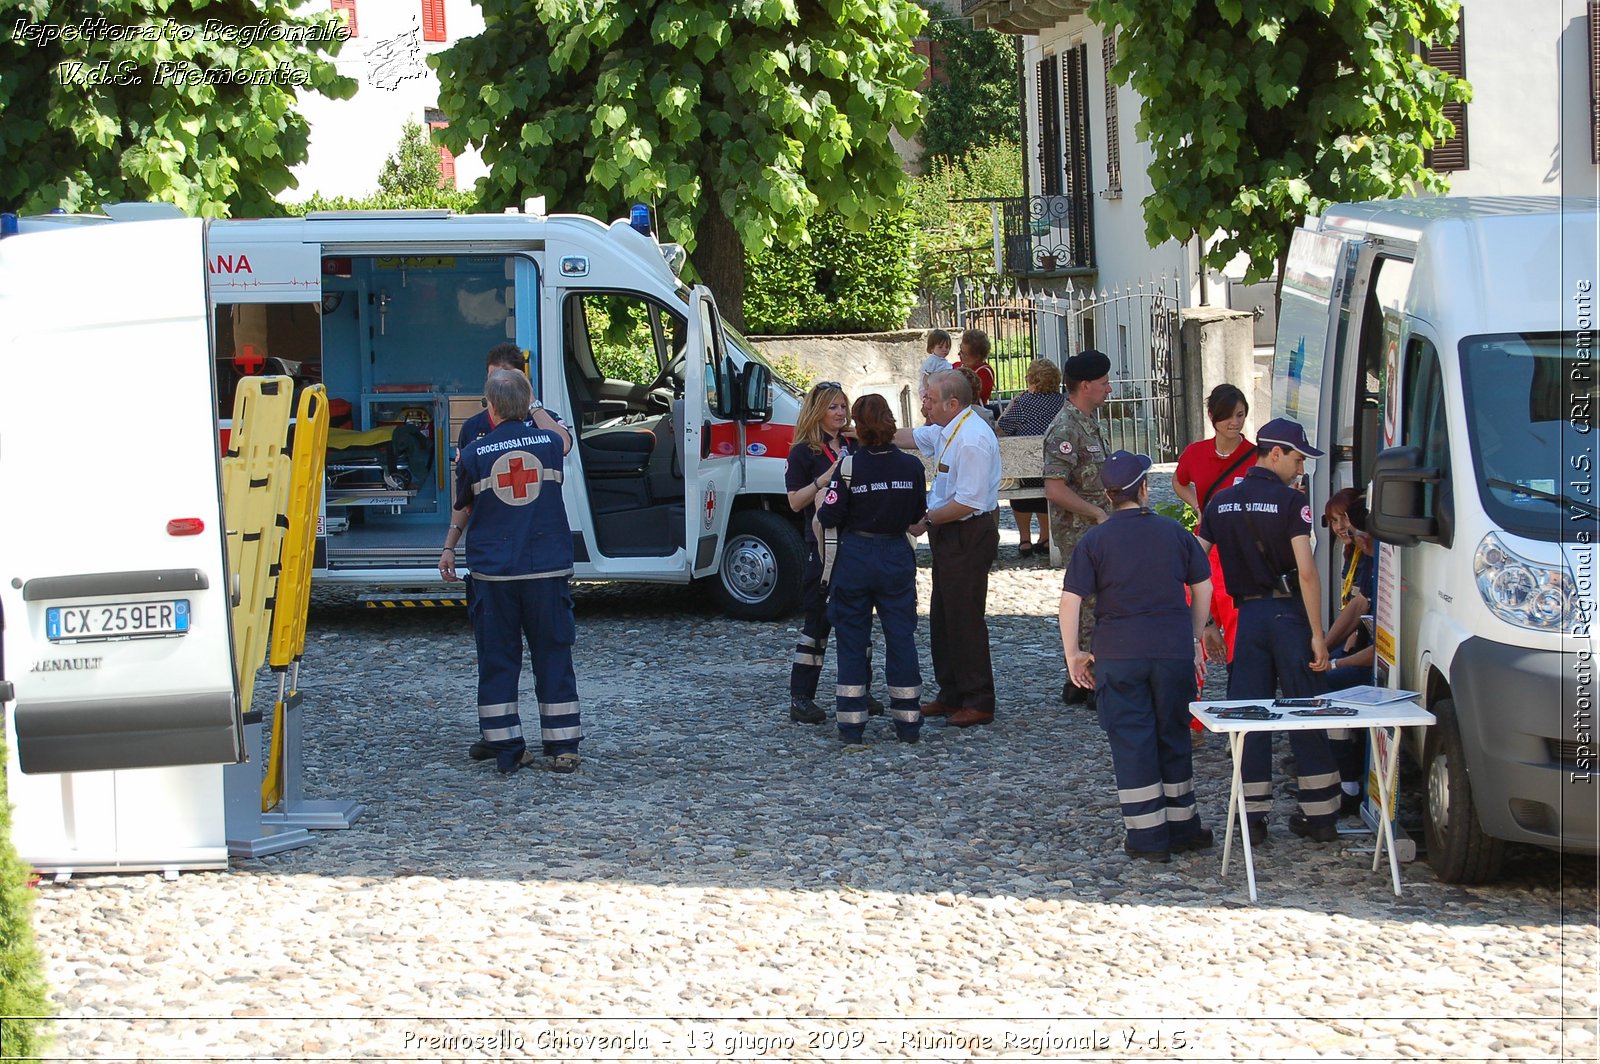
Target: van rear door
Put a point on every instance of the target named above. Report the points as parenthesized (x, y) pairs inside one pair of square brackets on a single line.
[(114, 592)]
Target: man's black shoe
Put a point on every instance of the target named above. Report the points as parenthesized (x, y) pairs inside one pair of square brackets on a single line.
[(1349, 804), (1299, 825), (1258, 832), (806, 711), (912, 737), (1157, 856), (480, 751), (874, 707), (1204, 840)]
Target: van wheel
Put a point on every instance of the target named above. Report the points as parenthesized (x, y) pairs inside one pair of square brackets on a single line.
[(762, 557), (1458, 850)]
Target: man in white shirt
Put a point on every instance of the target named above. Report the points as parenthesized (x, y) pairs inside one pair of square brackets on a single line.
[(964, 536)]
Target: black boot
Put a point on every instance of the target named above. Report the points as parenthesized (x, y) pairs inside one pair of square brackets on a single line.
[(806, 711)]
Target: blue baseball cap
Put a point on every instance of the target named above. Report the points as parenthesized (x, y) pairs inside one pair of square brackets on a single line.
[(1282, 432), (1123, 470)]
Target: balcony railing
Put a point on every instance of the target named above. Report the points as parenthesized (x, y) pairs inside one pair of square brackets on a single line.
[(1045, 234)]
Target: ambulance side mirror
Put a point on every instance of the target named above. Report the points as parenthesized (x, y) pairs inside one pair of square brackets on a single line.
[(755, 393), (1397, 503)]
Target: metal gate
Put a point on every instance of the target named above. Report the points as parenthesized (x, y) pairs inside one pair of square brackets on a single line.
[(1136, 327)]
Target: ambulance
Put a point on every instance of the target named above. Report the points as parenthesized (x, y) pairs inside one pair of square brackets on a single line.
[(1443, 352), (677, 470)]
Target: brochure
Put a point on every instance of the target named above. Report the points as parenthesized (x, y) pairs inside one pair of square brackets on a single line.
[(1368, 695)]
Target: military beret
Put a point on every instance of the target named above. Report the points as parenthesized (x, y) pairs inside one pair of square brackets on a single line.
[(1088, 365)]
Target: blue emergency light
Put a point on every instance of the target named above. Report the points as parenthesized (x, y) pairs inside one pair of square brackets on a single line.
[(8, 225), (639, 218)]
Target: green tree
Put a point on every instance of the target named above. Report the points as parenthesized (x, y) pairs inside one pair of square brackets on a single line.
[(739, 119), (1258, 112), (413, 169), (22, 988), (181, 101), (973, 102), (956, 236)]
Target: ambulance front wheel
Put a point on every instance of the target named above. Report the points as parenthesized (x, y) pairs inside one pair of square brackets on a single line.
[(1458, 849), (762, 558)]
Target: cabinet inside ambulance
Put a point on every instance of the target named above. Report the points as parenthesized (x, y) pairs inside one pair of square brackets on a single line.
[(399, 341)]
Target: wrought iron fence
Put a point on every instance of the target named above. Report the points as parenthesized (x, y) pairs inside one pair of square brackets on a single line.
[(1136, 327)]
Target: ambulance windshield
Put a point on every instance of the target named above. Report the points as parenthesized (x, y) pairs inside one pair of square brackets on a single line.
[(1530, 401)]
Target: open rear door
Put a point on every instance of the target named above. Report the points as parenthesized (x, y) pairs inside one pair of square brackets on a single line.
[(114, 592)]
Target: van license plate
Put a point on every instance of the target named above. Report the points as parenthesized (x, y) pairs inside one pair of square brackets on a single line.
[(122, 620)]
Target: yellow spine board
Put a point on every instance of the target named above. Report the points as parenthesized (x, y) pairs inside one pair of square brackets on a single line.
[(300, 538), (255, 484), (293, 597)]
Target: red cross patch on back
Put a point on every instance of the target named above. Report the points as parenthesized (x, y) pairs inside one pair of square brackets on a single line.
[(516, 477)]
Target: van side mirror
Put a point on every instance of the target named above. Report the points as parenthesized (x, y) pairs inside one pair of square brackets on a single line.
[(755, 393), (1397, 503)]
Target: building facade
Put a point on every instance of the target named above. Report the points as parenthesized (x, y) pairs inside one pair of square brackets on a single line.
[(386, 56), (1531, 129)]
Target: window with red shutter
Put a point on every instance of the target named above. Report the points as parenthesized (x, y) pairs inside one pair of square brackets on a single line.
[(348, 9), (447, 161), (433, 20), (1451, 154)]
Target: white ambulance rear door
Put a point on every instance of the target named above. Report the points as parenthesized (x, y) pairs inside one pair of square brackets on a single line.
[(114, 588)]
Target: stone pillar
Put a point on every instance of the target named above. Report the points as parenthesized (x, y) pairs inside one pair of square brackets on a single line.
[(1215, 346)]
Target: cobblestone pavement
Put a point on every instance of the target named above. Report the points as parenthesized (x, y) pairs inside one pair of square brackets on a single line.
[(718, 883)]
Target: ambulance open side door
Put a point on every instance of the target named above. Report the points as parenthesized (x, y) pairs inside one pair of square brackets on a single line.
[(713, 451), (115, 590)]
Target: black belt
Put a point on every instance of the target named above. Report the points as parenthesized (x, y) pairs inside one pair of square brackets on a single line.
[(874, 535), (1258, 598)]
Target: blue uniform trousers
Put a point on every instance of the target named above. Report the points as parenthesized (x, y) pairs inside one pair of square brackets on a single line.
[(1273, 650), (876, 571), (504, 612), (813, 642), (1349, 745), (1143, 705)]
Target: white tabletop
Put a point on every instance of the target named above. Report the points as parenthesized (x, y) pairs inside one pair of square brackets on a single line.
[(1392, 714)]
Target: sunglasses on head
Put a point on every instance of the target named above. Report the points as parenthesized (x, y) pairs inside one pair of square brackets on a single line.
[(822, 386)]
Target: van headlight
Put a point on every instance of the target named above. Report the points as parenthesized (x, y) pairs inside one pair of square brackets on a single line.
[(1521, 592)]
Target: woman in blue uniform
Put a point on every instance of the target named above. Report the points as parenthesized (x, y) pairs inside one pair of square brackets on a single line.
[(875, 498), (1146, 655), (819, 443)]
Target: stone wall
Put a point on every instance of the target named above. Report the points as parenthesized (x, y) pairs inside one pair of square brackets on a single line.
[(885, 363)]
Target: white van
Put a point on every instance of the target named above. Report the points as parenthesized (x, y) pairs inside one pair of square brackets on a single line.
[(1444, 351), (121, 344)]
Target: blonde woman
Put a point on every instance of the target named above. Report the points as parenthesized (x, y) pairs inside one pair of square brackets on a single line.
[(1030, 414), (819, 443)]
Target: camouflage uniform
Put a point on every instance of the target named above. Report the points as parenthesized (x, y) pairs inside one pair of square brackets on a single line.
[(1074, 451)]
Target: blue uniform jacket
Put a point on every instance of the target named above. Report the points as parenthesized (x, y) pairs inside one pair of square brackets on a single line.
[(1279, 514), (887, 494), (511, 477)]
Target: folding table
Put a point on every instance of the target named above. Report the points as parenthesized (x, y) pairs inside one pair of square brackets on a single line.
[(1391, 718)]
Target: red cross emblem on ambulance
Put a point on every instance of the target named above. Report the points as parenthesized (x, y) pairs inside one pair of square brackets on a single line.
[(516, 477), (711, 504)]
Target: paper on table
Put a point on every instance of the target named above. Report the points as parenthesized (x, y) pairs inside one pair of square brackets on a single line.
[(1367, 695)]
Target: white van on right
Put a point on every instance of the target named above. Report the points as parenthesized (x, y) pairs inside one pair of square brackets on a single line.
[(1444, 351)]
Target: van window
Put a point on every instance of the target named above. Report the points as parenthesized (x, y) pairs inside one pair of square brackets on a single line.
[(1380, 326), (1425, 426), (1530, 410), (622, 355)]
